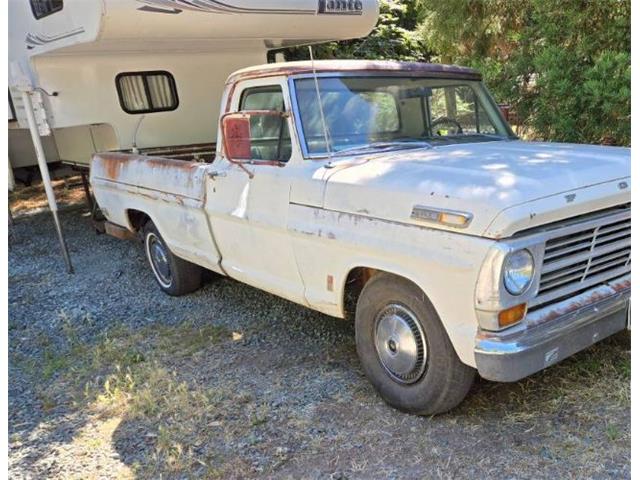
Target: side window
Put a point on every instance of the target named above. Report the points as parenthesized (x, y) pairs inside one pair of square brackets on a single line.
[(42, 8), (147, 92), (270, 138)]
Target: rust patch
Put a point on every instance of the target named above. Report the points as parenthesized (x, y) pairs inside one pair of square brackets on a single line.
[(330, 283), (586, 301), (111, 166), (114, 163), (118, 232), (619, 287), (360, 66)]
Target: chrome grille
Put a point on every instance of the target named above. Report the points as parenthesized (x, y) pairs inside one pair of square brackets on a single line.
[(585, 254)]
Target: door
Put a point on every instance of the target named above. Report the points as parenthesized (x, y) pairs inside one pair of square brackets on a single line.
[(249, 214)]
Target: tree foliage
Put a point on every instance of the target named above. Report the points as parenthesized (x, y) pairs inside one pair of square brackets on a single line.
[(564, 65)]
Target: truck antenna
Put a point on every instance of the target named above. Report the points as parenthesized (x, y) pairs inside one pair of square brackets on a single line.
[(322, 118)]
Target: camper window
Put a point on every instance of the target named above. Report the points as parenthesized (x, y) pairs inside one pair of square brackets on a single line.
[(42, 8), (147, 92)]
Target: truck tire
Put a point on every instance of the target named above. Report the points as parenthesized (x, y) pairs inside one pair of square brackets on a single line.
[(404, 349), (174, 275)]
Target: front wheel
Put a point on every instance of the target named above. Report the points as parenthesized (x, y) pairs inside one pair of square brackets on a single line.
[(405, 351), (174, 275)]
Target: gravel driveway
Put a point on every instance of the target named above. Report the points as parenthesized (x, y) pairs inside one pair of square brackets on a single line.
[(110, 378)]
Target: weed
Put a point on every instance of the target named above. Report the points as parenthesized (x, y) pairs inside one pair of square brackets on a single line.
[(260, 415), (52, 363), (613, 433)]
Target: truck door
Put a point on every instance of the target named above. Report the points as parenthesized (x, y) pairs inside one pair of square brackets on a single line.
[(249, 215)]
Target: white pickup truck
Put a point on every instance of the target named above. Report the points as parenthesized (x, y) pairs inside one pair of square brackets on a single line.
[(398, 193)]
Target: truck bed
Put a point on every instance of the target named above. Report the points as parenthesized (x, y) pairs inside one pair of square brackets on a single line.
[(169, 192), (157, 174)]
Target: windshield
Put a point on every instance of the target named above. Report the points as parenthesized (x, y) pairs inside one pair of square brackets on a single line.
[(372, 113)]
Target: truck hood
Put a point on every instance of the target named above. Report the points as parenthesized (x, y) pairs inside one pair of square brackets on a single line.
[(494, 181)]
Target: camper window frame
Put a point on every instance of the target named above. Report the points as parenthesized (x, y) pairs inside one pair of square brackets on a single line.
[(144, 74), (51, 12)]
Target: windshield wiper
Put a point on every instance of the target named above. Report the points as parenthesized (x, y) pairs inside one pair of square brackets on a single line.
[(383, 145), (469, 135)]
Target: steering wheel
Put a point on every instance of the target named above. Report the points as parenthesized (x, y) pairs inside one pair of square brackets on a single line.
[(445, 120)]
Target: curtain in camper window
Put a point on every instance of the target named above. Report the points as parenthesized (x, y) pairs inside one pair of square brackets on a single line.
[(160, 91), (133, 94)]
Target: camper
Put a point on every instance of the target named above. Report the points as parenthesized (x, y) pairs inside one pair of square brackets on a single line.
[(108, 75)]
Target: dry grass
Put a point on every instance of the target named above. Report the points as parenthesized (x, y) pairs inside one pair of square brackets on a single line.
[(29, 200), (599, 374), (143, 384)]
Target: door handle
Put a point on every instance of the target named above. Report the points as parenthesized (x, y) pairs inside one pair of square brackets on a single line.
[(215, 173)]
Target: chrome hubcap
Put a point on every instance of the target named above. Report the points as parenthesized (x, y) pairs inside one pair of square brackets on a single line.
[(159, 260), (401, 344)]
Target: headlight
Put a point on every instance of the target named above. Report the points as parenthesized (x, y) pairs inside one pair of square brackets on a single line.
[(518, 271)]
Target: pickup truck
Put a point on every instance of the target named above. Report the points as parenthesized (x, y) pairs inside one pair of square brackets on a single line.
[(397, 195)]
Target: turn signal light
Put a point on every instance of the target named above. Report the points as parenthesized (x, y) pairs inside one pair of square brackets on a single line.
[(512, 315), (444, 217), (453, 219)]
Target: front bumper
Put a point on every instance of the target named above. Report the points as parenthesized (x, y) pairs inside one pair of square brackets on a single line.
[(553, 333)]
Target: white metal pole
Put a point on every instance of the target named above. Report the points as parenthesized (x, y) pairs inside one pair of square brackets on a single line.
[(44, 172), (12, 180)]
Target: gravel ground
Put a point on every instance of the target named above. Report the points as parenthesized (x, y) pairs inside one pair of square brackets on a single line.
[(110, 378)]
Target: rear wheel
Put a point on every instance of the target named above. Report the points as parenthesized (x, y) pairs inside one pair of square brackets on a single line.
[(404, 349), (174, 275)]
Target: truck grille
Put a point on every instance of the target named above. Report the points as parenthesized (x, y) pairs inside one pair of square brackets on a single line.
[(585, 254)]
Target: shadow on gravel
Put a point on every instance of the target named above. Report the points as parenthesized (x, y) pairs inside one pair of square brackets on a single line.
[(108, 376)]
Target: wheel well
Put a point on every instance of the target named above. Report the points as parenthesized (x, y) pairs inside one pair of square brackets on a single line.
[(137, 219), (355, 282)]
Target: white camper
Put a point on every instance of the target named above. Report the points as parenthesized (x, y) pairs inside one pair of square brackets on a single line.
[(116, 74)]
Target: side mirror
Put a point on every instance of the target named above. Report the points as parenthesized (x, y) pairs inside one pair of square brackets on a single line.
[(236, 136), (238, 130)]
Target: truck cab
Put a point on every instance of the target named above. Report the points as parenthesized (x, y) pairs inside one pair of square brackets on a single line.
[(396, 194)]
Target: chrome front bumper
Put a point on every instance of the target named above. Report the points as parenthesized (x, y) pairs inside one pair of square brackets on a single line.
[(553, 333)]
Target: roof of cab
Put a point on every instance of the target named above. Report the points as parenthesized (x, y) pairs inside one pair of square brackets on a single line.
[(351, 66)]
